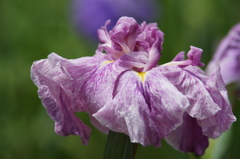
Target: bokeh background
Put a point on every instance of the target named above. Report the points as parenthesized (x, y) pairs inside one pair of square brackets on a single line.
[(30, 30)]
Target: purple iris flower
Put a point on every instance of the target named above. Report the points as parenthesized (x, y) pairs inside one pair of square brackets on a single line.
[(123, 89), (228, 53), (89, 15)]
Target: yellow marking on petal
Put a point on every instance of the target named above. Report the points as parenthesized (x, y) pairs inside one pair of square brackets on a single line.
[(106, 62), (142, 75)]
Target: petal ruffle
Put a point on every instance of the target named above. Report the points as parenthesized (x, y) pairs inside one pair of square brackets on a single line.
[(121, 39), (150, 40), (213, 126), (58, 100), (124, 34), (188, 137), (191, 81), (145, 106), (208, 98), (194, 55), (103, 34), (179, 56)]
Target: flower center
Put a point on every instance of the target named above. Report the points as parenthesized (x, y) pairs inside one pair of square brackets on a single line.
[(142, 75)]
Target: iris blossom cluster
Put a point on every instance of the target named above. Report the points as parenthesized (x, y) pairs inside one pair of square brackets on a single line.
[(228, 53), (123, 89)]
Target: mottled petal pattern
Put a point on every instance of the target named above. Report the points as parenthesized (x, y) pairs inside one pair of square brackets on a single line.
[(58, 101), (214, 125), (95, 86), (191, 81), (209, 113), (143, 111)]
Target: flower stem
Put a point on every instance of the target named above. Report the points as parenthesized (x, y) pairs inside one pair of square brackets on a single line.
[(193, 156), (118, 146)]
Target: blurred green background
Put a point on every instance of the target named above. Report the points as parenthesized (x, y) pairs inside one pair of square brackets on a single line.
[(30, 30)]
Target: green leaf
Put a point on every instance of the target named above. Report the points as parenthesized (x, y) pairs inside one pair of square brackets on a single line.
[(118, 146)]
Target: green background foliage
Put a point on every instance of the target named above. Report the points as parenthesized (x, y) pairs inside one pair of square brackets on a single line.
[(30, 30)]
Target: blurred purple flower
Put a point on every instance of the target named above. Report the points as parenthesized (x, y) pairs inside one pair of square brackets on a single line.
[(89, 15), (228, 54), (124, 90)]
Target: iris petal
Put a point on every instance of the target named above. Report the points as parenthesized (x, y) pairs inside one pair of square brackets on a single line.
[(146, 111), (57, 99), (214, 125), (191, 81), (188, 137)]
